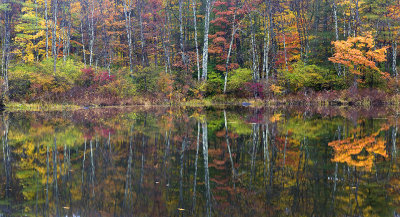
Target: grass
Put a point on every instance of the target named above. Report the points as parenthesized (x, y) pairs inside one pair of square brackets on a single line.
[(16, 106)]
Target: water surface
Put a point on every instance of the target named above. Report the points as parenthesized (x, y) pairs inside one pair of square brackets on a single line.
[(200, 162)]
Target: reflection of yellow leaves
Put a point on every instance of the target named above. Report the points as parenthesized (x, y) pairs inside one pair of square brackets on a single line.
[(276, 89), (275, 118)]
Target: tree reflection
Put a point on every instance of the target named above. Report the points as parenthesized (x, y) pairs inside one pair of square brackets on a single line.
[(254, 162)]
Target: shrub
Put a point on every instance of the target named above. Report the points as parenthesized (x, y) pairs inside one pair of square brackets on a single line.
[(145, 79), (305, 76), (254, 89), (237, 81), (120, 87), (214, 84), (89, 78), (166, 84)]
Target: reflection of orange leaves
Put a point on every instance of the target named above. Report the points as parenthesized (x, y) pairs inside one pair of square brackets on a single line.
[(275, 118), (220, 133), (350, 150)]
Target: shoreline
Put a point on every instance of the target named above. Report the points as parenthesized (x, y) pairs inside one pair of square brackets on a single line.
[(242, 102)]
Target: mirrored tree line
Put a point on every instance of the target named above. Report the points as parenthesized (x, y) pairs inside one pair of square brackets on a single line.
[(142, 163)]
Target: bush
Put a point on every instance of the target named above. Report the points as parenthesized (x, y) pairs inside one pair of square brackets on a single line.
[(214, 84), (303, 76), (37, 80), (145, 79), (166, 84), (90, 79), (237, 81), (254, 89)]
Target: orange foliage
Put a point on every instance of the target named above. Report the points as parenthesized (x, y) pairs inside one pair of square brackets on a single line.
[(359, 54)]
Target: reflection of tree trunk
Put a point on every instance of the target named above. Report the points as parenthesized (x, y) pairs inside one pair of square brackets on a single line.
[(37, 183), (166, 157), (195, 167), (83, 163), (229, 149), (254, 152), (47, 181), (266, 152), (284, 150), (55, 153), (7, 160), (142, 164), (128, 182), (206, 172), (92, 167), (336, 172), (181, 205)]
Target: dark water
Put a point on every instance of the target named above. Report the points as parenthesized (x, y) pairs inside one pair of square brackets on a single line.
[(201, 162)]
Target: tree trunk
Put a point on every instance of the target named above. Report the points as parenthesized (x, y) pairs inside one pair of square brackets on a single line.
[(266, 51), (144, 58), (47, 29), (128, 33), (234, 28), (83, 45), (54, 37), (336, 30), (6, 51), (195, 39), (205, 46), (181, 35), (91, 34), (254, 69)]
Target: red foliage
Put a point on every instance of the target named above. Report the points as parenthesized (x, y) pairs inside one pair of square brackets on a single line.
[(91, 79), (255, 89)]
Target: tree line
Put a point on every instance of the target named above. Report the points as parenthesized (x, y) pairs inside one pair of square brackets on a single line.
[(284, 46)]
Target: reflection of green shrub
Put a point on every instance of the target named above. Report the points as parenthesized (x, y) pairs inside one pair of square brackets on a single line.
[(238, 79)]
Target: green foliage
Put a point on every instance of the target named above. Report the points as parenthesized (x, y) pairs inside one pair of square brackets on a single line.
[(146, 78), (214, 83), (37, 80), (308, 76), (238, 79)]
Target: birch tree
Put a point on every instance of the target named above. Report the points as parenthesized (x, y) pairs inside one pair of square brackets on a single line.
[(205, 46)]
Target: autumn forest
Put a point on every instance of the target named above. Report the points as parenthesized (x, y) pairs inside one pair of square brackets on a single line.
[(121, 52)]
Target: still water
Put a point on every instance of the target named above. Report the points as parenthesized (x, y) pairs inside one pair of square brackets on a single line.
[(200, 162)]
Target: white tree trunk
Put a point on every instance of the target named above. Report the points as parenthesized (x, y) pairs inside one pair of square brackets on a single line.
[(128, 33), (205, 46), (195, 39), (91, 34), (55, 36), (181, 43), (234, 29), (47, 29)]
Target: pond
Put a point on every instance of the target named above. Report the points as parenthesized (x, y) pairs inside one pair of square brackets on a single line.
[(214, 161)]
